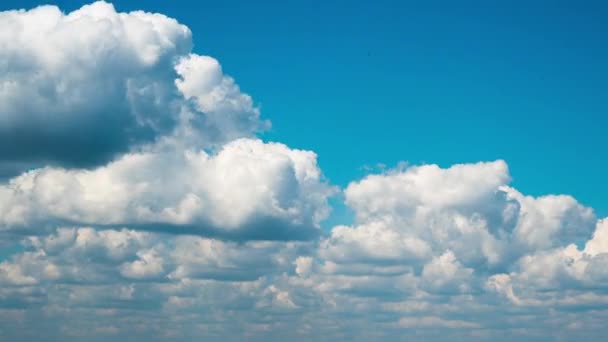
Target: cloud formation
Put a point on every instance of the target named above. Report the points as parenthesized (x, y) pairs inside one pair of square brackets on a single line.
[(79, 88), (154, 213), (247, 189)]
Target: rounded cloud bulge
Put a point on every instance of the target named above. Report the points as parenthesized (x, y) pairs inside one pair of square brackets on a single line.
[(77, 89), (121, 124), (247, 190)]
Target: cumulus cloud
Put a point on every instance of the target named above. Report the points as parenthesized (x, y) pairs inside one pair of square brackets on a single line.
[(229, 113), (442, 248), (390, 274), (425, 210), (77, 89), (249, 189), (152, 212)]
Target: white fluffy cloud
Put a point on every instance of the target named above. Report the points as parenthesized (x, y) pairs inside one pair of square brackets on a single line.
[(77, 89), (154, 213), (228, 113), (425, 210), (425, 187), (393, 272), (249, 189), (455, 246)]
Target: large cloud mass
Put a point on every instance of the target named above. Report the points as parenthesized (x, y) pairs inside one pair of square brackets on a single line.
[(78, 88), (248, 188), (136, 203)]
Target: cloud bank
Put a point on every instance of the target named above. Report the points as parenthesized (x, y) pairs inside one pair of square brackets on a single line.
[(137, 202)]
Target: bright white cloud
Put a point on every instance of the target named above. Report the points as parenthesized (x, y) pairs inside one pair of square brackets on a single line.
[(228, 112), (599, 243), (248, 189), (425, 187), (77, 89), (442, 243)]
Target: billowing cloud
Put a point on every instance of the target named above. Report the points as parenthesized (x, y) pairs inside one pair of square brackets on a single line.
[(450, 248), (77, 89), (394, 272), (249, 189), (150, 211)]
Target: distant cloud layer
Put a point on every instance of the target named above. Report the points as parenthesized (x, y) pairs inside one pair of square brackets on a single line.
[(136, 201)]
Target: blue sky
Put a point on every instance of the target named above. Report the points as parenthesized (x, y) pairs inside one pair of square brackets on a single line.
[(276, 170), (446, 82)]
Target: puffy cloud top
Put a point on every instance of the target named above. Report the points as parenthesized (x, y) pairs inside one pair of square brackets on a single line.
[(77, 89), (248, 188), (427, 186)]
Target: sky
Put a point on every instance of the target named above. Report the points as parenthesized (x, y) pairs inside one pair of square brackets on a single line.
[(443, 82), (303, 170)]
